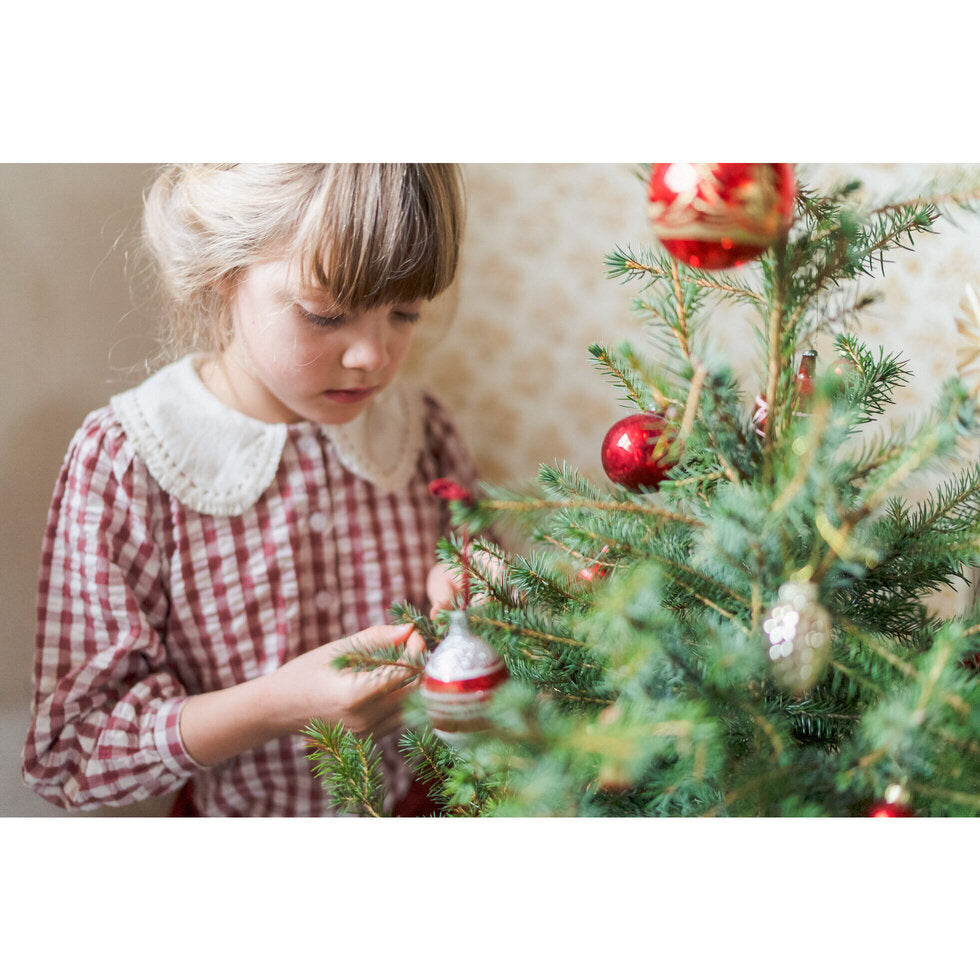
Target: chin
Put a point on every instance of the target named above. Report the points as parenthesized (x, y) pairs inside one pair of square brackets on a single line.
[(335, 414)]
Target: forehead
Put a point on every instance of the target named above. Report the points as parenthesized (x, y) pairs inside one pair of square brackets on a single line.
[(283, 275), (284, 279)]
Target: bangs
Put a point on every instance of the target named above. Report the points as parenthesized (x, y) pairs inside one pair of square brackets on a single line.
[(382, 233)]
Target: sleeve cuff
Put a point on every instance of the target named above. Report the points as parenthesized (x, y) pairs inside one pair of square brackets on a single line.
[(166, 735)]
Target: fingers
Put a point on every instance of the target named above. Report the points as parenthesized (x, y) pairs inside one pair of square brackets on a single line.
[(380, 636), (376, 637), (393, 677), (415, 645), (442, 585), (389, 713), (385, 680), (379, 704)]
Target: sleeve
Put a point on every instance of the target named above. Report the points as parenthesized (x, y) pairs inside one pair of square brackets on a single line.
[(106, 703)]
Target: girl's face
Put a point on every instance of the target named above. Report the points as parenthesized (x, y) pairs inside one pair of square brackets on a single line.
[(293, 355)]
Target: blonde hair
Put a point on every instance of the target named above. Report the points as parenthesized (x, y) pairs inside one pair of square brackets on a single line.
[(368, 233)]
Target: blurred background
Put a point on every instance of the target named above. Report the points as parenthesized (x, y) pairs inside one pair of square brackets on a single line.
[(507, 353)]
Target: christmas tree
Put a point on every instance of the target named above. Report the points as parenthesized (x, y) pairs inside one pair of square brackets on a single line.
[(739, 624)]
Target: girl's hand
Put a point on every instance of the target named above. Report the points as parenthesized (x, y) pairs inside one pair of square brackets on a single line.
[(445, 583), (366, 702), (220, 724), (442, 586)]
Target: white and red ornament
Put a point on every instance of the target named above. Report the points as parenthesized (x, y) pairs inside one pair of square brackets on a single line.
[(636, 451), (760, 413), (460, 677), (720, 215), (799, 631)]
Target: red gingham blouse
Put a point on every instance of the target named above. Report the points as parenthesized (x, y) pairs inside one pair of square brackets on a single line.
[(144, 601)]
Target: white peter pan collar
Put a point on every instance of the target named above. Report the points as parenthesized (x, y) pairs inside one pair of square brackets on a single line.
[(219, 461)]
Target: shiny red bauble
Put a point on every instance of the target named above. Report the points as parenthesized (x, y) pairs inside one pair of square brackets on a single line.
[(598, 570), (891, 810), (720, 215), (635, 451)]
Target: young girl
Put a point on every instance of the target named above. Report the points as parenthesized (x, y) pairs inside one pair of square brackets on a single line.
[(220, 533)]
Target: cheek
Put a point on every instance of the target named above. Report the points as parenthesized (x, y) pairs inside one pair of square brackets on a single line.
[(302, 354), (290, 352), (398, 349)]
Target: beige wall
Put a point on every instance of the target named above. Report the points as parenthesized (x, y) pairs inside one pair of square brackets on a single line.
[(514, 369)]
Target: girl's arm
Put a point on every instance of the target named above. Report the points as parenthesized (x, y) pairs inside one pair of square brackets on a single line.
[(220, 724), (110, 714)]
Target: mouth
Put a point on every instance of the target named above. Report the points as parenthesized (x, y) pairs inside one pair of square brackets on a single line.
[(350, 396)]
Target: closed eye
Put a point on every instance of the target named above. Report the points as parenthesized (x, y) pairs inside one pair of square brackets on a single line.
[(321, 319), (327, 320), (406, 317)]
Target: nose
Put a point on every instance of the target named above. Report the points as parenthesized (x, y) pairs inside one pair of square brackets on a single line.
[(368, 347)]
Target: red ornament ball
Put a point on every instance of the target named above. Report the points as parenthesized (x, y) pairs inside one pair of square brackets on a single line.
[(460, 677), (884, 809), (635, 449), (598, 570), (720, 215)]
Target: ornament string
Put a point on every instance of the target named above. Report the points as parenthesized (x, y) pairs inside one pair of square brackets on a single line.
[(446, 489)]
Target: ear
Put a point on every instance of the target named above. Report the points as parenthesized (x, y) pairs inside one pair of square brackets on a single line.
[(225, 287)]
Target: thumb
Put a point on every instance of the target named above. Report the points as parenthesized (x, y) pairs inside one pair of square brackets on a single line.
[(392, 677), (381, 636)]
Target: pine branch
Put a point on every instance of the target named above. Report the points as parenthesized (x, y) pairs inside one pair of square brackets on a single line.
[(628, 379), (870, 382), (777, 330), (530, 576), (959, 190), (707, 591), (954, 506), (358, 658), (824, 209), (876, 645), (936, 437), (539, 636), (624, 263), (850, 250), (681, 330), (405, 612), (565, 481), (619, 506), (348, 767), (434, 762)]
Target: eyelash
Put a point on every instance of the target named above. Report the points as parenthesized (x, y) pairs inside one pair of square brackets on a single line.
[(321, 321), (338, 321)]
